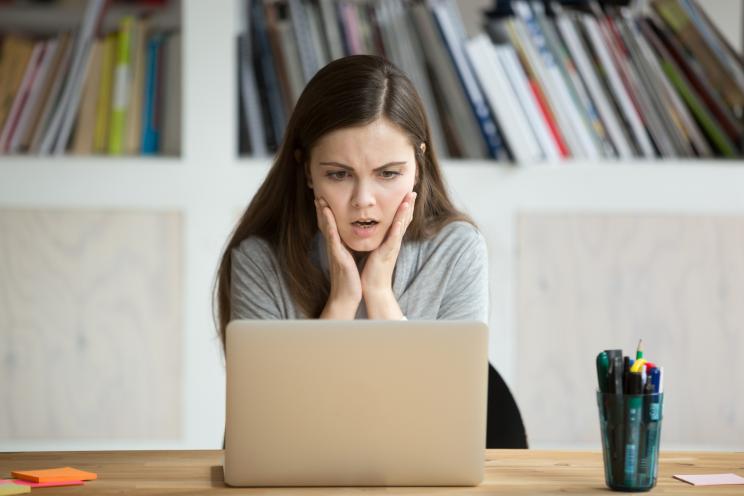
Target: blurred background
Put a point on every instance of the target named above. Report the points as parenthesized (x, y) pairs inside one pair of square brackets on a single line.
[(596, 144)]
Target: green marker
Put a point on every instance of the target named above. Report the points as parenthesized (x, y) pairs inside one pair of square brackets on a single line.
[(603, 367), (633, 413), (639, 351)]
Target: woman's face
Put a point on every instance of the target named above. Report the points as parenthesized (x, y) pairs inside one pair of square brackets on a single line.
[(363, 173)]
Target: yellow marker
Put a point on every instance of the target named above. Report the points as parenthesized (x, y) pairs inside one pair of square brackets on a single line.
[(636, 367)]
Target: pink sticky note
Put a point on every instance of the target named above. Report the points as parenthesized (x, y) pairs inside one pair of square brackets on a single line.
[(47, 484), (711, 479)]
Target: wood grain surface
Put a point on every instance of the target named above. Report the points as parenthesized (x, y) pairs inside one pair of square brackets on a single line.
[(90, 324), (588, 282), (507, 472)]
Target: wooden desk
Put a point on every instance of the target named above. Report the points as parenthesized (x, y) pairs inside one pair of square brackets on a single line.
[(507, 472)]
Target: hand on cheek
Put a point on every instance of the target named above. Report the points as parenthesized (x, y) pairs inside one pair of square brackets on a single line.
[(377, 275), (346, 290)]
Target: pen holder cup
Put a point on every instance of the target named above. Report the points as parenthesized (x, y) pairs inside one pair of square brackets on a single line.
[(630, 426)]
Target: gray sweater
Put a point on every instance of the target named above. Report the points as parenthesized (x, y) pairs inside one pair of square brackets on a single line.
[(445, 277)]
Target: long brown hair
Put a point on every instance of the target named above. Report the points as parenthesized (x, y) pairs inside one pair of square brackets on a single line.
[(350, 91)]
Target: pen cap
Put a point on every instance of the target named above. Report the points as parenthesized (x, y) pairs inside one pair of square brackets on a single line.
[(603, 367)]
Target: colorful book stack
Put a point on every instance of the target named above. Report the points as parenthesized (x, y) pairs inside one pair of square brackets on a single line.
[(546, 81), (87, 92), (25, 480)]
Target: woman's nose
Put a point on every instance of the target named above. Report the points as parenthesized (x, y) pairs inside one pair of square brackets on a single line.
[(362, 196)]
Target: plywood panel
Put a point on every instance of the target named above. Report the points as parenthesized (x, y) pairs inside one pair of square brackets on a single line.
[(90, 324), (587, 282)]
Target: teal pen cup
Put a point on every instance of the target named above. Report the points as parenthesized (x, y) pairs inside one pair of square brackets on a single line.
[(630, 426)]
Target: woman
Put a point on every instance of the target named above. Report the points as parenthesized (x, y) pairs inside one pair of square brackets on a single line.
[(353, 219)]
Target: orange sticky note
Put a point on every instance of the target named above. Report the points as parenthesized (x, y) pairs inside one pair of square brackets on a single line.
[(54, 475)]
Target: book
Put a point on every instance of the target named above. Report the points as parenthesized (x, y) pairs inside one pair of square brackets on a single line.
[(58, 132), (273, 112), (105, 93), (349, 21), (331, 29), (505, 30), (138, 63), (575, 87), (153, 96), (170, 135), (674, 144), (503, 100), (54, 95), (676, 106), (411, 60), (279, 50), (30, 73), (553, 99), (84, 134), (316, 27), (528, 102), (22, 137), (698, 79), (16, 52), (45, 90), (489, 131), (706, 121), (248, 87), (464, 133), (679, 22), (619, 92), (122, 89), (636, 89), (567, 25), (303, 32)]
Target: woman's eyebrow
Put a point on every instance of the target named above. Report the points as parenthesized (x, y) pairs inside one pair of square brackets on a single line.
[(348, 167)]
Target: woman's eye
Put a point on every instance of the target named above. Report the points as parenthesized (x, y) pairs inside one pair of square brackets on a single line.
[(338, 175), (390, 174)]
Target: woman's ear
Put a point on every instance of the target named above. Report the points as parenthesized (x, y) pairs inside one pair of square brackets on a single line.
[(422, 147)]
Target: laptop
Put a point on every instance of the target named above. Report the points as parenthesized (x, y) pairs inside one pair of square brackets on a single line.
[(355, 403)]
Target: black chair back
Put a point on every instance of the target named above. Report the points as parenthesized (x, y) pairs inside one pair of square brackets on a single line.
[(504, 426)]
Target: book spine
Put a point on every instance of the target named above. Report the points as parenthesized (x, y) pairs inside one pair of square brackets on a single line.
[(121, 88), (529, 103), (35, 98), (21, 97), (150, 129), (601, 99), (103, 105), (618, 89), (478, 104)]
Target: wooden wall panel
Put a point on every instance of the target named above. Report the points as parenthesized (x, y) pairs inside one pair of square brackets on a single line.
[(587, 282), (90, 324)]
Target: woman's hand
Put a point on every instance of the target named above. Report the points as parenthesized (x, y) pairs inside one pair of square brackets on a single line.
[(346, 287), (377, 276)]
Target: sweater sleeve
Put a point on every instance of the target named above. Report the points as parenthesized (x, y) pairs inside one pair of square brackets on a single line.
[(254, 283), (466, 295)]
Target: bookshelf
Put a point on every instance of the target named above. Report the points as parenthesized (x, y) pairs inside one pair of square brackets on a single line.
[(209, 184)]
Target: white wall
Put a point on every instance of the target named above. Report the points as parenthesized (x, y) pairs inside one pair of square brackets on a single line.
[(209, 184), (728, 16)]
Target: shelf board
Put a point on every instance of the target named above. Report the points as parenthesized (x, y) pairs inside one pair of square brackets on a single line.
[(43, 19), (162, 182), (39, 182)]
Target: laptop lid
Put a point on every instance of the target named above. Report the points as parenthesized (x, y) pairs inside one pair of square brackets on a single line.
[(355, 403)]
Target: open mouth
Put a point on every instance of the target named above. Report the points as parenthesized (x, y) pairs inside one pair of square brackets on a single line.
[(365, 224)]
